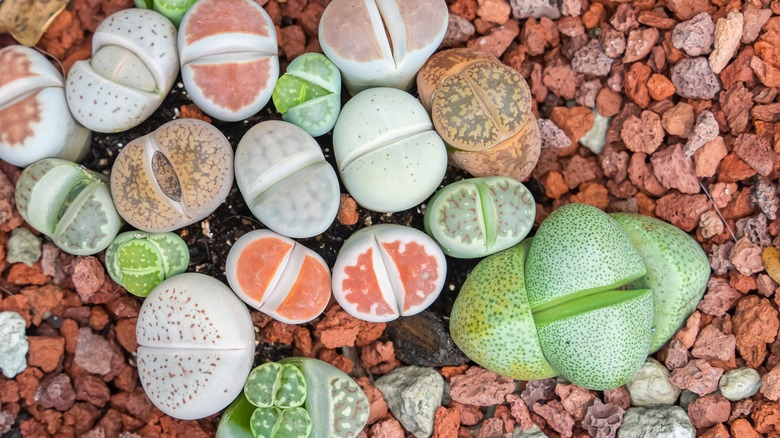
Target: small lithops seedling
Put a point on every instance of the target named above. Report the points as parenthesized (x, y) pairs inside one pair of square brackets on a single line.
[(298, 397), (172, 9), (196, 343), (389, 157), (172, 177), (140, 261), (309, 93), (228, 54), (285, 180), (35, 121), (133, 66), (480, 216), (381, 43), (278, 276), (482, 110), (69, 204), (386, 271)]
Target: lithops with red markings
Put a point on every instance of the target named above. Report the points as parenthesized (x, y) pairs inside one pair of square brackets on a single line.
[(228, 53), (35, 121), (133, 66), (175, 176), (386, 271), (196, 343)]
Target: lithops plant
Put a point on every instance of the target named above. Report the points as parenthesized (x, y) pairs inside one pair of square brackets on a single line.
[(386, 271), (482, 110), (381, 43), (285, 180), (140, 261), (134, 63), (228, 53), (480, 216), (175, 176), (35, 121), (69, 204), (278, 276), (172, 9), (389, 157), (309, 93), (196, 344)]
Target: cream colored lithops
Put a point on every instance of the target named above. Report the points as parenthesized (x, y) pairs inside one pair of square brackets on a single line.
[(134, 63), (196, 344), (389, 157), (35, 121), (285, 180), (175, 176), (228, 53), (381, 43)]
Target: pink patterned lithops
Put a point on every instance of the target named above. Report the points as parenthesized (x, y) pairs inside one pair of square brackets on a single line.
[(278, 276), (196, 344), (35, 121), (228, 54), (386, 271)]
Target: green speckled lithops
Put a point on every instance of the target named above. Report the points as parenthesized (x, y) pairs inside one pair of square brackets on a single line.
[(480, 216), (140, 261), (309, 93), (172, 9)]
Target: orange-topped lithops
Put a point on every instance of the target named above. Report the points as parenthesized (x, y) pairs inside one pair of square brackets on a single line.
[(278, 276)]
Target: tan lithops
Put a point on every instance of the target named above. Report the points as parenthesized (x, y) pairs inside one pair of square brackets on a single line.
[(172, 177), (482, 110)]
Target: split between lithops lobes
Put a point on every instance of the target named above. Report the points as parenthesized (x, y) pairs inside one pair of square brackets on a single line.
[(140, 261)]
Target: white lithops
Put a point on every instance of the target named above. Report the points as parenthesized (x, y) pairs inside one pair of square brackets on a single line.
[(35, 121), (134, 63), (285, 180), (196, 345)]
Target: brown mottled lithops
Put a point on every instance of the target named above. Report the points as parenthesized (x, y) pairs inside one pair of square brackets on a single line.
[(173, 177)]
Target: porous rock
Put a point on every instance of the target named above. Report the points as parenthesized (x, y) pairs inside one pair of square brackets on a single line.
[(535, 8), (661, 422), (695, 36), (413, 394), (694, 79), (13, 344)]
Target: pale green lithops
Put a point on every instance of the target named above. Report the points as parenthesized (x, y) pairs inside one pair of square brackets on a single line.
[(140, 261), (69, 204), (389, 157), (309, 93), (480, 216), (285, 180)]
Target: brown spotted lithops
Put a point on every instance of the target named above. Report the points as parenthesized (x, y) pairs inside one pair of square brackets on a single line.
[(482, 110), (173, 177), (196, 343)]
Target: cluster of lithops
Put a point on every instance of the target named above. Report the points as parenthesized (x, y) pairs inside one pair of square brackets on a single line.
[(298, 397), (140, 261), (35, 121), (588, 283)]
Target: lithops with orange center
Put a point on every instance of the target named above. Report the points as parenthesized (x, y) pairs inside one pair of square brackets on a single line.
[(482, 110), (228, 53), (175, 176)]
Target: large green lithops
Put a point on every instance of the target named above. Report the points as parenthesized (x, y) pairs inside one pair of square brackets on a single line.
[(677, 271)]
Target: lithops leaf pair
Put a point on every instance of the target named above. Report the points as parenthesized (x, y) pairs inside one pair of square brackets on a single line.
[(228, 54), (309, 93), (134, 63), (285, 180), (386, 271), (35, 121), (389, 157), (196, 344), (278, 276), (172, 9), (297, 397), (69, 204), (140, 261), (482, 110), (480, 216), (381, 43), (175, 176)]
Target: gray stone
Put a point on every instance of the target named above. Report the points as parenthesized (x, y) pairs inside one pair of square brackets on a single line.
[(23, 247), (662, 422), (536, 8), (650, 386), (413, 394), (591, 60), (552, 135), (459, 30), (687, 397), (693, 78), (13, 344), (695, 36), (739, 383)]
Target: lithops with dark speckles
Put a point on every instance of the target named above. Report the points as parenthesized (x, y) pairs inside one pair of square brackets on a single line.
[(482, 110), (175, 176)]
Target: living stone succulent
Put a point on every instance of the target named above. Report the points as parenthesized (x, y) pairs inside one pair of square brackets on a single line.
[(140, 261), (172, 9)]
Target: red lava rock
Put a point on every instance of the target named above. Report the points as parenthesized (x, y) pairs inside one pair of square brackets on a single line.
[(736, 103), (740, 205), (687, 9), (191, 111), (708, 157), (717, 431), (519, 411), (643, 134), (709, 410), (674, 170), (656, 18), (337, 328), (88, 276), (369, 332), (746, 257), (277, 332), (377, 405), (714, 344), (635, 85), (720, 297), (98, 318), (608, 102), (303, 342), (496, 11), (591, 60), (770, 384), (135, 403), (492, 427), (592, 194), (537, 36), (739, 70), (465, 8), (90, 388), (676, 355), (446, 422), (767, 74), (697, 376), (503, 413), (389, 428), (379, 357), (56, 391), (22, 274), (660, 87), (767, 418), (556, 417), (127, 379), (70, 331), (347, 213), (498, 40), (459, 30), (125, 334), (337, 360), (575, 400), (449, 372), (679, 120), (478, 386), (603, 420), (755, 325), (93, 352), (579, 170), (42, 300), (639, 43), (743, 429), (45, 352), (682, 211), (575, 121), (293, 41), (624, 18), (469, 414), (756, 153), (619, 397), (563, 81)]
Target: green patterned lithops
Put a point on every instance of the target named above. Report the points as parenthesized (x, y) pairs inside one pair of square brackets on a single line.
[(69, 204), (480, 216), (140, 261), (309, 93)]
